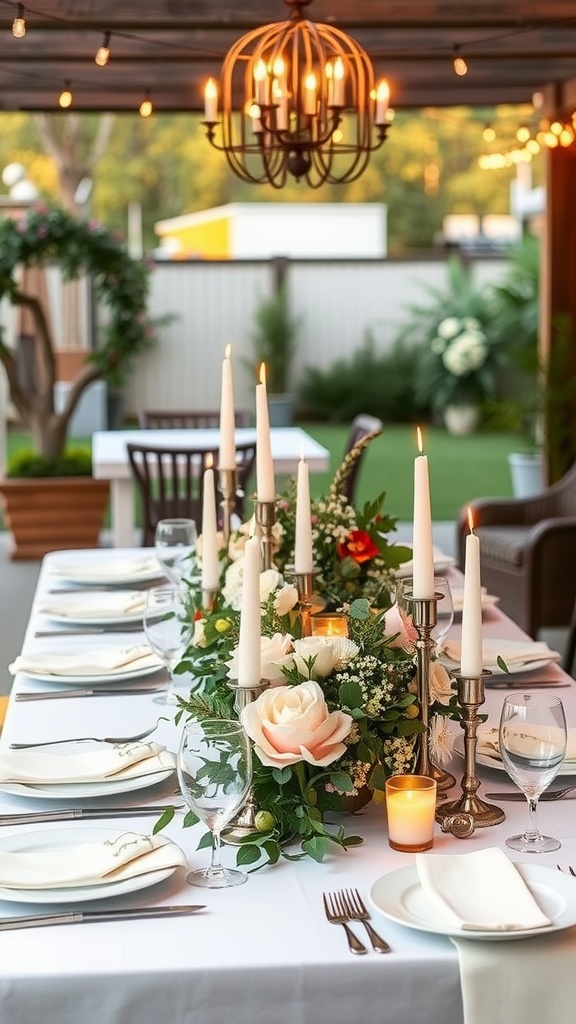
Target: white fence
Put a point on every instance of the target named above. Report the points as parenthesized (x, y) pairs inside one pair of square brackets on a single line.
[(214, 304)]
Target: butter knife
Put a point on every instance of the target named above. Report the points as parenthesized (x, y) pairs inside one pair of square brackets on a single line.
[(102, 691), (520, 798), (87, 916), (88, 814)]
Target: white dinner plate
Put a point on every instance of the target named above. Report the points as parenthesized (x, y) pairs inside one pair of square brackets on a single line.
[(119, 619), (107, 677), (60, 839), (400, 897), (566, 768), (99, 575)]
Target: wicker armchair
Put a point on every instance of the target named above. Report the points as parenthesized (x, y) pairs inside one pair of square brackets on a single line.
[(528, 553)]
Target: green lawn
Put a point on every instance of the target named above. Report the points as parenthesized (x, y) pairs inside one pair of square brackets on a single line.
[(461, 468)]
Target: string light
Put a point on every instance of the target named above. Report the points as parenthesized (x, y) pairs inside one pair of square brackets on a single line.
[(523, 133), (489, 133), (103, 53), (459, 64), (146, 108), (19, 23), (65, 97)]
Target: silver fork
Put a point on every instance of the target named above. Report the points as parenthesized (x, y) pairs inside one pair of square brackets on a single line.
[(354, 907), (95, 739), (337, 915)]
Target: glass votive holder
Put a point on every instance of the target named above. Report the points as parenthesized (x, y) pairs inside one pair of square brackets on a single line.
[(329, 624), (410, 806)]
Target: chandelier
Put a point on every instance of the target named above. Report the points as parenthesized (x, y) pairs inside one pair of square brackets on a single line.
[(297, 98)]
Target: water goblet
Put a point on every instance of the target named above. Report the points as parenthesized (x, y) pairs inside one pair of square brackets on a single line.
[(169, 627), (444, 607), (175, 543), (532, 747), (215, 772)]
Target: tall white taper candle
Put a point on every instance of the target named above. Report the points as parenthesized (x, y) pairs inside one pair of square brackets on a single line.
[(249, 640), (227, 454), (422, 552), (265, 486), (303, 559), (210, 565), (471, 657)]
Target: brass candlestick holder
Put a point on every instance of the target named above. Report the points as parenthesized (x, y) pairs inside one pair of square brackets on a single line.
[(243, 824), (424, 617), (227, 482), (265, 514), (304, 583), (470, 698)]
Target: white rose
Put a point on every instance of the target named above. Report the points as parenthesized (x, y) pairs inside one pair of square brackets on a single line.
[(289, 724), (270, 580), (449, 328), (232, 589), (320, 649), (286, 599), (274, 654), (440, 684)]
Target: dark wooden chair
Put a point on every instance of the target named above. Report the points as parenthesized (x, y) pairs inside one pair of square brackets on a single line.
[(161, 419), (361, 426), (170, 482), (528, 553)]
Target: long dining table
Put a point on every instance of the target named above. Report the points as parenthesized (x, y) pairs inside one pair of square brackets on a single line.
[(262, 951), (110, 461)]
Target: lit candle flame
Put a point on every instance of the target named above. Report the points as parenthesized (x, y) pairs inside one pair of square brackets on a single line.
[(420, 440), (470, 520), (262, 373), (208, 461)]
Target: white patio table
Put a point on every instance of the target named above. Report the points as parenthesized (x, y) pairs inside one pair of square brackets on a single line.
[(261, 952), (110, 461)]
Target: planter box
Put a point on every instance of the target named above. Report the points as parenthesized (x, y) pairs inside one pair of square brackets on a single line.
[(53, 513)]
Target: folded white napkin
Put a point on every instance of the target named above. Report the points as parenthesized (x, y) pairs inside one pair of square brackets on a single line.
[(439, 556), (118, 570), (126, 856), (528, 737), (487, 600), (513, 652), (109, 763), (107, 661), (95, 606), (480, 891)]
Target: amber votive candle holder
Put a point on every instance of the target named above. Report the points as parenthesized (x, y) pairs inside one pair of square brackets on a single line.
[(411, 806), (329, 624)]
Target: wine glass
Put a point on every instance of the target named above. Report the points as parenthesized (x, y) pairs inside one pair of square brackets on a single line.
[(215, 773), (444, 606), (169, 626), (532, 747), (175, 543)]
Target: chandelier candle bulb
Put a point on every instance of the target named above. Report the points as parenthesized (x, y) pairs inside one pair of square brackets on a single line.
[(338, 80), (210, 563), (423, 556), (303, 558), (211, 101), (227, 455), (265, 485), (249, 664), (310, 90), (471, 658), (260, 75), (410, 807), (382, 101)]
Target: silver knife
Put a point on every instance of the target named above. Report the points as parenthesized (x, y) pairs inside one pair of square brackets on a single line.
[(89, 814), (102, 691), (526, 684), (87, 916), (520, 798), (91, 630)]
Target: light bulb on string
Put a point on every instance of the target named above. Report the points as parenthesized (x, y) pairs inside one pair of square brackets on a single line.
[(523, 133), (103, 53), (65, 97), (19, 23), (488, 133), (459, 64), (146, 108)]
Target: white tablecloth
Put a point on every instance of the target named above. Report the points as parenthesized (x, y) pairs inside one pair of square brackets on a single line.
[(258, 953)]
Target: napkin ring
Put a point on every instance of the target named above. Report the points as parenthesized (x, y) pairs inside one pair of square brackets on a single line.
[(460, 825)]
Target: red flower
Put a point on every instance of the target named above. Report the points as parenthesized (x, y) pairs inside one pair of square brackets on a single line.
[(359, 546)]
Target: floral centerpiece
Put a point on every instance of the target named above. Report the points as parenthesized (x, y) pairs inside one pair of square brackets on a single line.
[(340, 714)]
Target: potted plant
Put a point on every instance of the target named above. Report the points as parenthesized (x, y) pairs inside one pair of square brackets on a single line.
[(274, 342), (458, 354), (121, 285)]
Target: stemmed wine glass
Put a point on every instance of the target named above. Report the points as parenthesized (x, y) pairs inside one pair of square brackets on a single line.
[(215, 773), (532, 747), (175, 543), (444, 607), (169, 627)]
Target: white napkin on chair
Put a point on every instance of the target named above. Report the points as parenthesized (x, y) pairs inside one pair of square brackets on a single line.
[(513, 652), (109, 763), (128, 855), (114, 571), (479, 891), (488, 743), (96, 606), (105, 661)]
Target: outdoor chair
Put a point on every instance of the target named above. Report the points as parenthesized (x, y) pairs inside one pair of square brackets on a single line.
[(170, 482), (361, 426), (159, 419), (528, 553)]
